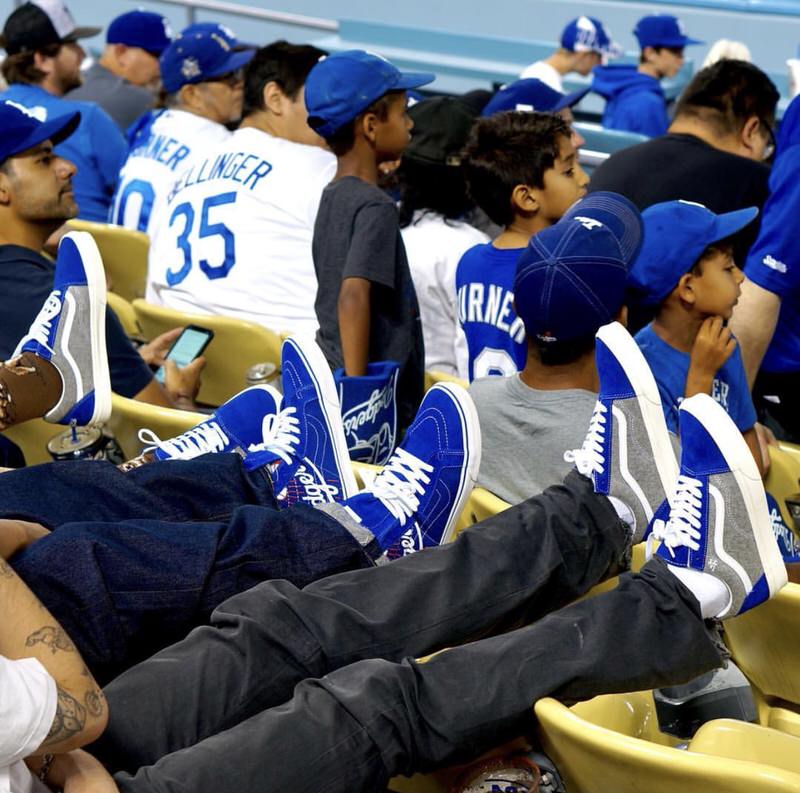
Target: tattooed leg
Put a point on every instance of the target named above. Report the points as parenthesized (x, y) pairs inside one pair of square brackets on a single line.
[(29, 388)]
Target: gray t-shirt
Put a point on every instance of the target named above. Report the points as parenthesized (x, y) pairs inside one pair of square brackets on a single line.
[(357, 235), (525, 433), (121, 100)]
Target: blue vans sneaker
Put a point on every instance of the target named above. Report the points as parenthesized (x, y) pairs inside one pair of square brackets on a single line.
[(719, 539), (243, 423), (627, 451), (70, 333), (416, 498), (307, 451)]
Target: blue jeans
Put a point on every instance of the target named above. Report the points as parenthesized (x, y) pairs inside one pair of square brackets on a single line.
[(124, 584)]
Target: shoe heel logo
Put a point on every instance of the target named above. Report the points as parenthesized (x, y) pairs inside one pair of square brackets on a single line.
[(315, 489), (378, 446)]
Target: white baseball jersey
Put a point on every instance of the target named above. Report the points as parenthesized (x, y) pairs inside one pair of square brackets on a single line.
[(543, 71), (236, 236), (171, 144)]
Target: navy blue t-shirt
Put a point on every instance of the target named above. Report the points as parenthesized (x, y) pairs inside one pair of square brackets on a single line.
[(495, 334), (26, 279), (670, 367)]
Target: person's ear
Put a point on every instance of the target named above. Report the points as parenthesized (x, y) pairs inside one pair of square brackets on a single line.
[(369, 126), (273, 98), (44, 63), (648, 53), (750, 133), (525, 198), (685, 288), (5, 189)]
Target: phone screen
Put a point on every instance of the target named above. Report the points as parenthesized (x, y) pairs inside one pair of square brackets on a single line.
[(186, 348)]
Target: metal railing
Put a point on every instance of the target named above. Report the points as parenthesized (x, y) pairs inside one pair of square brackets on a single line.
[(262, 14)]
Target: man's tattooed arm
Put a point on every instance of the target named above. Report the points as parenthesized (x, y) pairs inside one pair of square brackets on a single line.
[(70, 719)]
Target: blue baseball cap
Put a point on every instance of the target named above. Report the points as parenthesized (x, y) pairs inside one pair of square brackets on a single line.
[(675, 235), (342, 85), (22, 130), (212, 27), (531, 94), (589, 34), (662, 30), (143, 29), (198, 55), (571, 278)]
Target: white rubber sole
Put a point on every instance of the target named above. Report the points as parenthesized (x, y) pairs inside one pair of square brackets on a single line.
[(740, 460), (471, 432), (317, 365), (96, 281), (625, 349)]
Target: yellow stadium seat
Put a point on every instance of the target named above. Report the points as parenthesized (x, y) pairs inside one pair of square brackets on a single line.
[(612, 743), (433, 377), (124, 255), (784, 476), (32, 437), (481, 505), (125, 313), (129, 416), (765, 644), (237, 345)]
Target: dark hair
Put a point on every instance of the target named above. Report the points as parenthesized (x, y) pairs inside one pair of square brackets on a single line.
[(725, 246), (506, 150), (727, 93), (20, 68), (341, 141), (561, 353), (439, 188), (286, 64)]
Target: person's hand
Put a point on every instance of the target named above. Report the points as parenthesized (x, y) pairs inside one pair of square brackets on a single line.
[(713, 345), (183, 383), (18, 534), (155, 352), (76, 772)]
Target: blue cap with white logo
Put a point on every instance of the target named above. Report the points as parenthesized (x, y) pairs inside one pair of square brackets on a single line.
[(22, 129), (571, 278), (675, 235), (662, 30), (588, 34), (200, 54), (345, 84), (143, 29), (531, 95)]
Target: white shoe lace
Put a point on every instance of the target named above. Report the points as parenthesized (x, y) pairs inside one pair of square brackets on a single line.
[(683, 527), (280, 434), (39, 330), (589, 458), (204, 438), (400, 483)]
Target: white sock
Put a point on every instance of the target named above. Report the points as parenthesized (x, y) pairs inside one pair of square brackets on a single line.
[(623, 511), (711, 593)]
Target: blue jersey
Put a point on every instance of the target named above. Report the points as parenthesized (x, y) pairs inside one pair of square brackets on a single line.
[(97, 147), (774, 260), (670, 367), (495, 334)]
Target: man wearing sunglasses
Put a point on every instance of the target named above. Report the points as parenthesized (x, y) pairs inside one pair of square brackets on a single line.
[(635, 98), (201, 72), (124, 80)]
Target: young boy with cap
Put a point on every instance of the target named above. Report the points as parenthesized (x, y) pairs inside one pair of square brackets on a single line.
[(522, 170), (585, 43), (686, 271), (635, 98), (124, 79), (42, 63), (201, 71), (570, 281), (366, 304)]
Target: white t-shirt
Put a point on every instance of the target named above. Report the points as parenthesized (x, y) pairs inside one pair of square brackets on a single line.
[(543, 71), (27, 706), (434, 246), (238, 231), (173, 142)]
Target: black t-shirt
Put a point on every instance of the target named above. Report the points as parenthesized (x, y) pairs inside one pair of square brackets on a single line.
[(357, 235), (26, 279), (684, 167)]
